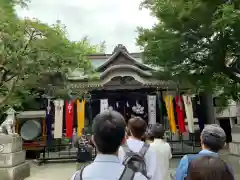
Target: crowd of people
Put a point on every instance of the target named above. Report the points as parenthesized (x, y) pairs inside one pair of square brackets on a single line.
[(126, 152)]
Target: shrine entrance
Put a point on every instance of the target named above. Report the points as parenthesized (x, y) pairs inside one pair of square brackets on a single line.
[(126, 101)]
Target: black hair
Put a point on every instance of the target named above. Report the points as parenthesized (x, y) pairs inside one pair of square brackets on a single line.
[(158, 131), (149, 136), (108, 131), (213, 142)]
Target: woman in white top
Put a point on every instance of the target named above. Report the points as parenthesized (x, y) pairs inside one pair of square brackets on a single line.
[(162, 149)]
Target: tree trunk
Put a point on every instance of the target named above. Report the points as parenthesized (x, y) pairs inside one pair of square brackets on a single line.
[(206, 100), (4, 100)]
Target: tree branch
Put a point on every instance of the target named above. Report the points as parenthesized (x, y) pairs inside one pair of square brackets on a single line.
[(12, 88), (231, 74), (10, 78), (4, 76)]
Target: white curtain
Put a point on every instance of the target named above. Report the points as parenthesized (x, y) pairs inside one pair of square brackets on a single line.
[(151, 109), (189, 112), (103, 105), (58, 124)]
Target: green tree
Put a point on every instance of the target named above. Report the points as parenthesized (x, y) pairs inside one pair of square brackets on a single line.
[(31, 52), (195, 41)]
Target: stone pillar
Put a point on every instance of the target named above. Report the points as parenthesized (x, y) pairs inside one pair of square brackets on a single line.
[(12, 158), (238, 120), (234, 146)]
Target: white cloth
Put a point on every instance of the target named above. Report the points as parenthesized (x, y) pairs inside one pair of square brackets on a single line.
[(58, 123), (164, 154), (151, 109), (189, 112), (150, 158), (103, 105)]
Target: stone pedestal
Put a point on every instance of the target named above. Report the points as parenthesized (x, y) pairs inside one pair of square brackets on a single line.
[(234, 146), (12, 159)]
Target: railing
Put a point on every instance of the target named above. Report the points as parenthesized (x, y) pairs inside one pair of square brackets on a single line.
[(60, 153), (187, 143)]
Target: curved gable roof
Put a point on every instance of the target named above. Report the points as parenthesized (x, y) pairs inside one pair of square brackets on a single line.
[(122, 51), (125, 67)]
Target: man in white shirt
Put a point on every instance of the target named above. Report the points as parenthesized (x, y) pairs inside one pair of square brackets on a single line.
[(163, 151), (137, 128), (108, 134)]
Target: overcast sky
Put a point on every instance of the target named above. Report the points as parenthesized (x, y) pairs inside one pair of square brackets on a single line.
[(113, 21)]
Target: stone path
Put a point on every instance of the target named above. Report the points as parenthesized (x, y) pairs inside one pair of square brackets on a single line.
[(63, 171), (52, 171), (234, 162), (55, 171)]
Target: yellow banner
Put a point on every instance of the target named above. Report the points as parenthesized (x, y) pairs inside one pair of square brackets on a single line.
[(170, 110), (80, 116)]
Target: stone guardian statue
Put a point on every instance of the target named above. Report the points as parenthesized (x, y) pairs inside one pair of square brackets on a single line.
[(8, 126)]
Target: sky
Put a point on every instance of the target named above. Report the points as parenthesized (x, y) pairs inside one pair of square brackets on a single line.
[(112, 21)]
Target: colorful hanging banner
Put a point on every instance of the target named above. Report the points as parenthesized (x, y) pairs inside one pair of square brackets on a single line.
[(58, 124), (80, 116), (69, 118), (199, 112), (49, 123), (180, 114), (170, 111), (160, 106), (151, 109), (103, 105), (189, 112)]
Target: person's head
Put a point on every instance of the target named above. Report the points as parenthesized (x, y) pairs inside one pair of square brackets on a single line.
[(137, 127), (209, 168), (149, 136), (108, 132), (213, 138), (158, 131)]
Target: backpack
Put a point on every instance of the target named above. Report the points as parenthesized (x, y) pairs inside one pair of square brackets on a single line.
[(136, 161), (84, 154), (192, 157), (127, 174)]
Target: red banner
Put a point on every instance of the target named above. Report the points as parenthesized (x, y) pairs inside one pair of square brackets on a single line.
[(180, 113), (69, 119)]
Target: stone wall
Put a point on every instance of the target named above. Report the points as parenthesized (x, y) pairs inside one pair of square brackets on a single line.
[(12, 159)]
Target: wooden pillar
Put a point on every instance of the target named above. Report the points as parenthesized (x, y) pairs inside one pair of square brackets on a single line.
[(44, 131)]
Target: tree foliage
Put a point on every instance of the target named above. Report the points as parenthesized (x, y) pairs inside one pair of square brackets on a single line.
[(31, 52), (196, 41)]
